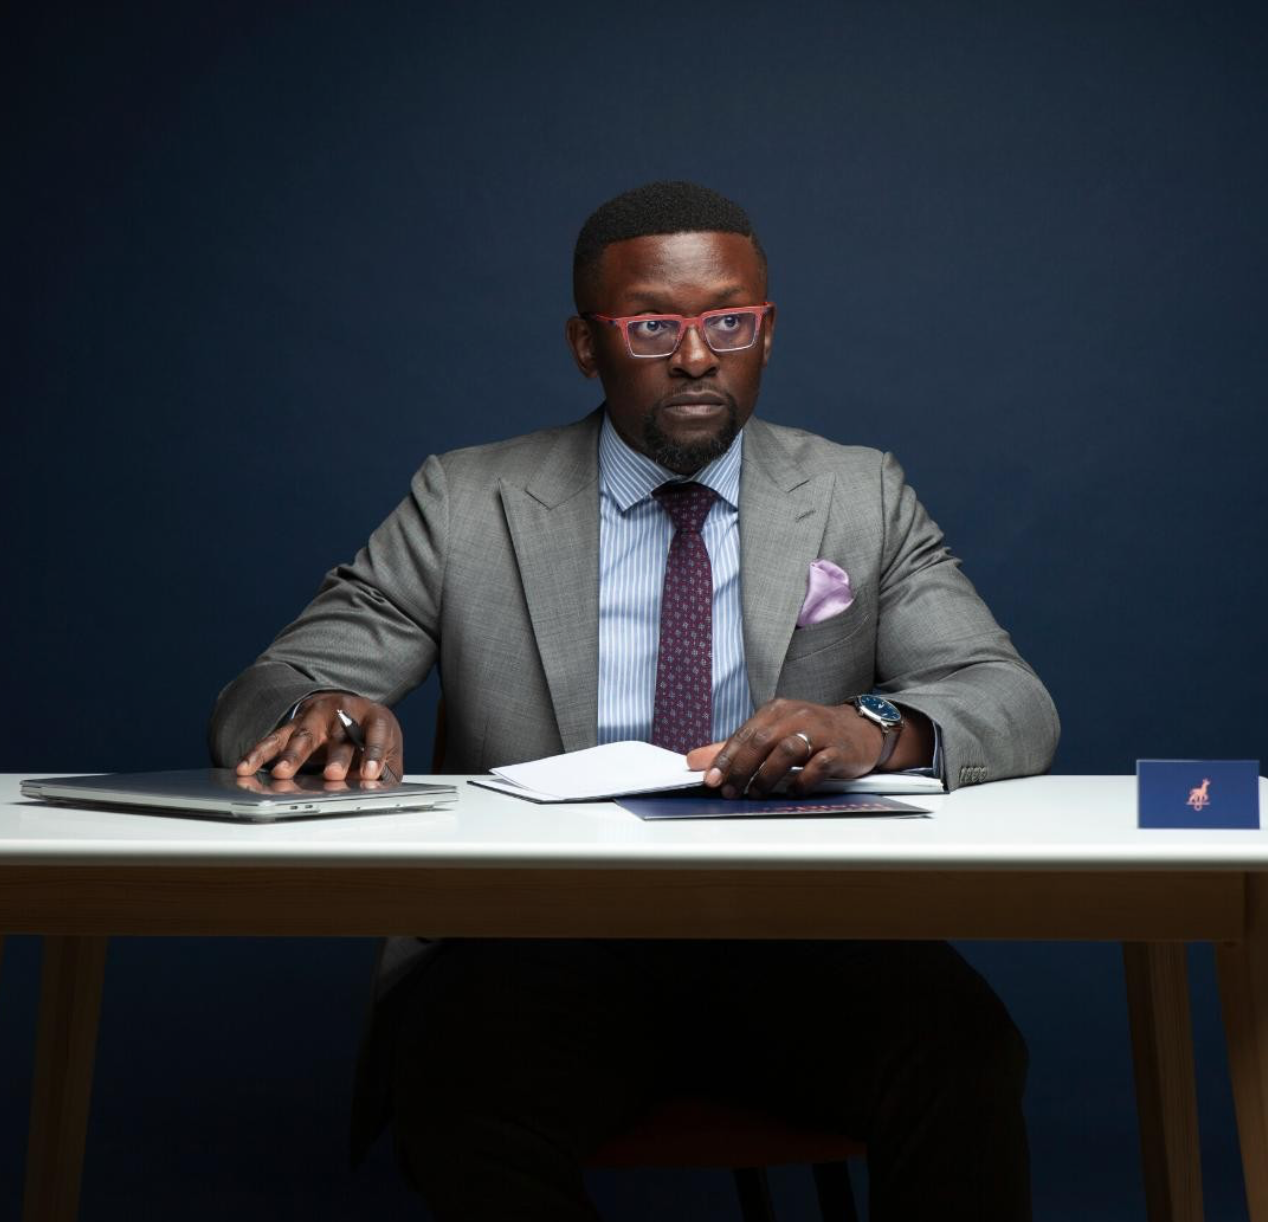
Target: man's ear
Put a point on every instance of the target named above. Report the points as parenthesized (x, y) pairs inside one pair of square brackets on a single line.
[(768, 334), (580, 338)]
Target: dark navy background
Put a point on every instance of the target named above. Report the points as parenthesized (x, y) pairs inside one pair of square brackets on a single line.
[(260, 259)]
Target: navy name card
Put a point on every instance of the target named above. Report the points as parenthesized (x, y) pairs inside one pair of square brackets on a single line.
[(1197, 793)]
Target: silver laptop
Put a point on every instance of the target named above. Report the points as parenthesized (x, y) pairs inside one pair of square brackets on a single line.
[(219, 793)]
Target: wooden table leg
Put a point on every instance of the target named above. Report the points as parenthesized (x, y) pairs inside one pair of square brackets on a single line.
[(70, 999), (1166, 1096), (1243, 970)]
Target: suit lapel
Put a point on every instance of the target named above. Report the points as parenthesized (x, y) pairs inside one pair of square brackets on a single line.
[(783, 512), (554, 525)]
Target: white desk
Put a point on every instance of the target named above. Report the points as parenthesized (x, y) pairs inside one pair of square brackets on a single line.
[(1047, 857)]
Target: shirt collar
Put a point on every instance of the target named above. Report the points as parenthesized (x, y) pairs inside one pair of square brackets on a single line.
[(629, 477)]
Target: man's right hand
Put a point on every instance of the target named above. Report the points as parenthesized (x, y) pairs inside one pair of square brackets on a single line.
[(315, 735)]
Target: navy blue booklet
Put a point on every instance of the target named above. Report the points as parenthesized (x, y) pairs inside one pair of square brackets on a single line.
[(689, 806)]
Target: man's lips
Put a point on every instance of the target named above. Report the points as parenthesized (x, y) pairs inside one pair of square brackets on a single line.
[(703, 405), (692, 399)]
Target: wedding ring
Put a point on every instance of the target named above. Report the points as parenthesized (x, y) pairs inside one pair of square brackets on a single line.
[(805, 738)]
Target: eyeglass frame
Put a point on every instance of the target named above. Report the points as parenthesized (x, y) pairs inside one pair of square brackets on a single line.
[(686, 322)]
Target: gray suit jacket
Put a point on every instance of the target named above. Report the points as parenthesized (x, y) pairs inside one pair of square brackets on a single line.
[(490, 568)]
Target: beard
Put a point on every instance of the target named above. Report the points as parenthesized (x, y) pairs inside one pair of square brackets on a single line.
[(686, 458)]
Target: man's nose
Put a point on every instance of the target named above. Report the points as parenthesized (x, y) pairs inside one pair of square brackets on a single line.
[(694, 358)]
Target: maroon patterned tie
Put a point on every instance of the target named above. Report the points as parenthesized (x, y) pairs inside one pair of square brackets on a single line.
[(684, 668)]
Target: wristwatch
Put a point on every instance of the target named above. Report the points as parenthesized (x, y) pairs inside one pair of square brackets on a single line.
[(884, 715)]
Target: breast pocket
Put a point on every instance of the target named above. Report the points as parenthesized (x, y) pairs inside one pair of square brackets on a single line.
[(828, 663)]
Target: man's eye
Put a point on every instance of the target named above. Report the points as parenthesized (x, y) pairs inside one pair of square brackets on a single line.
[(650, 326), (724, 322)]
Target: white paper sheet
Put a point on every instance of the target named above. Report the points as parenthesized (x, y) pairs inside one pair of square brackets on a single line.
[(601, 772), (617, 769)]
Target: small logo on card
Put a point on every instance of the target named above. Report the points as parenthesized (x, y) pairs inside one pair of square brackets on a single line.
[(1167, 796), (1200, 797)]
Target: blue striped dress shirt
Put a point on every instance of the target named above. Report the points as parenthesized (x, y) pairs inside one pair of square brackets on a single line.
[(634, 536)]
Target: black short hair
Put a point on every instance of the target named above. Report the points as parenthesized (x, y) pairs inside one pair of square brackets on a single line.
[(656, 207)]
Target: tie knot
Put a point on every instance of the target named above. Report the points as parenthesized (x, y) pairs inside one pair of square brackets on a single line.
[(687, 504)]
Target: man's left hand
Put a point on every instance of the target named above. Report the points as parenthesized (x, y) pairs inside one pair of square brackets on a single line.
[(827, 742)]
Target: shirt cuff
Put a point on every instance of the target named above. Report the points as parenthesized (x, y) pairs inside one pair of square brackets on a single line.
[(934, 769)]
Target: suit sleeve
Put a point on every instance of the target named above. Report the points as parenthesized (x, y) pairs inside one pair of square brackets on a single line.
[(372, 629), (940, 651)]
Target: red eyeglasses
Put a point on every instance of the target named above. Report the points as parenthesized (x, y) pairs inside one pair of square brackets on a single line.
[(658, 335)]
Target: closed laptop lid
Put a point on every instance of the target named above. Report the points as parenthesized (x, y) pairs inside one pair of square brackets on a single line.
[(220, 792)]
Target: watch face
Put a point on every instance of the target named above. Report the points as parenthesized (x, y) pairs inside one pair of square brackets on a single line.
[(880, 708)]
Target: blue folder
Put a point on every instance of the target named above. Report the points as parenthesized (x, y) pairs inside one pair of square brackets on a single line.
[(863, 804)]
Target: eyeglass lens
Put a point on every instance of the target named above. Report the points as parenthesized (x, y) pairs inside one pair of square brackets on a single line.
[(722, 332)]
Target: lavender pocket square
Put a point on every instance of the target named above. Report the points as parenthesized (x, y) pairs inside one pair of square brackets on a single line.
[(828, 593)]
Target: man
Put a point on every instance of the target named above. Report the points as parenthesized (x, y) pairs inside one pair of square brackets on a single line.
[(669, 568)]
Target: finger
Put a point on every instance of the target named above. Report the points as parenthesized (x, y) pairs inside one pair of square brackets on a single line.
[(699, 758), (720, 769), (308, 736), (750, 758), (728, 764), (744, 751), (787, 753), (823, 766), (378, 728), (339, 757), (264, 750)]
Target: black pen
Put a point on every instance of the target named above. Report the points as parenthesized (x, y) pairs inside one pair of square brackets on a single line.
[(358, 740)]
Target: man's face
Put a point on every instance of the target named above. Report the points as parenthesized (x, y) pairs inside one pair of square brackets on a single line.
[(683, 410)]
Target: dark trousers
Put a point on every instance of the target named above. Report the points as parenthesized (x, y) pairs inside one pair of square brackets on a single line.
[(518, 1058)]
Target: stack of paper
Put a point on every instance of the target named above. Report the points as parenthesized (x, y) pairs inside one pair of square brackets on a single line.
[(616, 769), (596, 773)]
